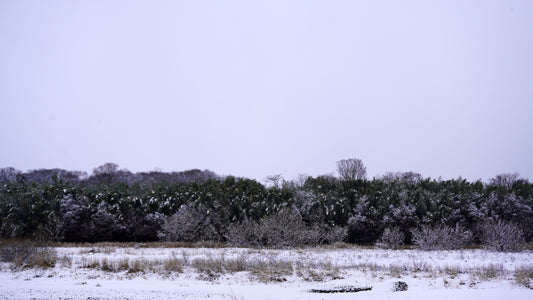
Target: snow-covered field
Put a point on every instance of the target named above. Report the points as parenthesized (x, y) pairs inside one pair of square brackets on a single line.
[(110, 272)]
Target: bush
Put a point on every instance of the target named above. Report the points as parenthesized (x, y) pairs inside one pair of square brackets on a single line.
[(281, 230), (441, 237), (335, 234), (27, 254), (400, 286), (243, 234), (284, 229), (191, 224), (502, 236), (392, 238)]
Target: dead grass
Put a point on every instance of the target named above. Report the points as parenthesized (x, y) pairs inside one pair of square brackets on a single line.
[(338, 245), (483, 273), (524, 276), (103, 245), (317, 272), (262, 269), (27, 254), (209, 265), (489, 272), (261, 265), (528, 246), (173, 264), (452, 271), (396, 271), (270, 270), (99, 249), (137, 265)]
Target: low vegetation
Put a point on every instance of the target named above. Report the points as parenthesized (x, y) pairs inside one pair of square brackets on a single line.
[(322, 264), (441, 237), (27, 254), (524, 276), (392, 238), (502, 236), (396, 209)]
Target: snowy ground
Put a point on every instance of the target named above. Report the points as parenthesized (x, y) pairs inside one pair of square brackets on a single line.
[(109, 272)]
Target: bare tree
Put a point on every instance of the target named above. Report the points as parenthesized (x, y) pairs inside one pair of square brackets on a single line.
[(109, 173), (106, 168), (276, 180), (351, 169), (300, 180), (9, 174), (505, 180)]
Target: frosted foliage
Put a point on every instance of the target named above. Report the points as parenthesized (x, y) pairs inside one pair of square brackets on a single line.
[(335, 234), (392, 238), (190, 224), (76, 214), (243, 234), (502, 236), (306, 204), (475, 212), (364, 225), (404, 213), (441, 237), (282, 230), (509, 207), (102, 224)]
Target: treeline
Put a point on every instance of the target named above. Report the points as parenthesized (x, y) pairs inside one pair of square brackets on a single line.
[(195, 205)]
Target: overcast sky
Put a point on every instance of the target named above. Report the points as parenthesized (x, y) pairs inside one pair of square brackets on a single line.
[(255, 88)]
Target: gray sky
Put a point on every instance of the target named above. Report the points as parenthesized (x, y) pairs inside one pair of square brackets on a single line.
[(255, 88)]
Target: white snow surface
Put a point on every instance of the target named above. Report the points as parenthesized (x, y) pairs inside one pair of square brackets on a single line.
[(429, 274)]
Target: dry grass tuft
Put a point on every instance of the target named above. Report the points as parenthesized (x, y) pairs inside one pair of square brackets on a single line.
[(524, 276), (489, 272), (27, 254), (173, 264), (314, 272)]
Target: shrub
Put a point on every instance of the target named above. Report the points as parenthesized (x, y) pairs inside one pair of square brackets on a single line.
[(191, 224), (441, 237), (392, 238), (243, 234), (502, 236), (284, 229), (281, 230), (334, 234), (400, 286)]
